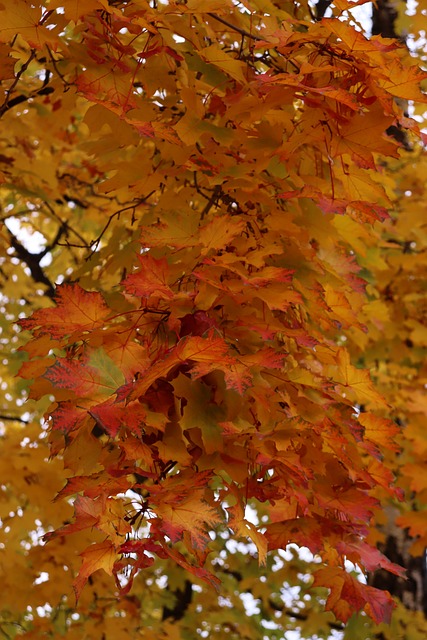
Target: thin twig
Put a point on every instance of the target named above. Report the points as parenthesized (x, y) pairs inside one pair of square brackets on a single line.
[(94, 243), (61, 230), (32, 260), (5, 106), (13, 419), (68, 227), (243, 32), (67, 84), (210, 204)]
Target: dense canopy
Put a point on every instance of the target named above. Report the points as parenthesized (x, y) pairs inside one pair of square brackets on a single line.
[(213, 327)]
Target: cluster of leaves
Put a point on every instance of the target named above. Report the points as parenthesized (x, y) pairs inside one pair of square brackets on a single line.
[(219, 177)]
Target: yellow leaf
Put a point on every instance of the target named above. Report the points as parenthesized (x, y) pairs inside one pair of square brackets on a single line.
[(224, 61), (357, 381)]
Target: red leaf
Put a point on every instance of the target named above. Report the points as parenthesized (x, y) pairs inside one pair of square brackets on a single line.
[(348, 595), (195, 324), (67, 417), (370, 557), (305, 532), (72, 375), (76, 310)]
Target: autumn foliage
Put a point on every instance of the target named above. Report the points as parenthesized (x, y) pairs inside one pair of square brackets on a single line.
[(233, 319)]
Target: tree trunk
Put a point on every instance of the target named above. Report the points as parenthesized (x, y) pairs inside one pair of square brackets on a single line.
[(413, 591)]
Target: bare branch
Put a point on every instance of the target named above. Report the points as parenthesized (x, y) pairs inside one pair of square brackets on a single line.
[(9, 102), (67, 227), (94, 243), (32, 260), (211, 202), (5, 106), (233, 27), (13, 419), (321, 8)]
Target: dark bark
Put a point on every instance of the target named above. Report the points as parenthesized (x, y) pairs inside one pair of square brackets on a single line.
[(413, 591), (32, 260), (183, 599), (384, 16), (321, 8)]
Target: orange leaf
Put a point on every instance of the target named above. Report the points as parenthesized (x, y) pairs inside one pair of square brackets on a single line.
[(205, 353), (357, 380), (191, 515), (415, 521), (76, 310), (220, 232), (404, 81), (100, 555), (26, 19), (150, 279)]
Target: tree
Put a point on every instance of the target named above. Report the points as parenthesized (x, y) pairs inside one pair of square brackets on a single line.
[(222, 324)]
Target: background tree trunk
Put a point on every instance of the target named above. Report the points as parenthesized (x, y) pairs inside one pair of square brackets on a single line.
[(413, 591)]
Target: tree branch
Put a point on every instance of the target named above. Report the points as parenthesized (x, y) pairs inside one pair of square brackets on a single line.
[(32, 260), (210, 204), (234, 27), (43, 91), (94, 243), (67, 227), (183, 601), (5, 106), (384, 14), (321, 8), (13, 419)]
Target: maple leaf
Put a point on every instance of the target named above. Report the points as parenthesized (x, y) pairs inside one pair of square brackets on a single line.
[(76, 310), (242, 527), (191, 515), (76, 9), (415, 522), (66, 416), (372, 559), (127, 355), (403, 81), (199, 572), (305, 532), (27, 20), (357, 380), (136, 555), (108, 416), (101, 555), (355, 40), (98, 375), (87, 512), (195, 324), (379, 433), (200, 412), (220, 232), (220, 184), (348, 595), (204, 353), (150, 279)]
